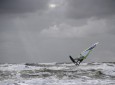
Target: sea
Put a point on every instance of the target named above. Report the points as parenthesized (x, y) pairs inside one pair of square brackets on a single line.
[(58, 74)]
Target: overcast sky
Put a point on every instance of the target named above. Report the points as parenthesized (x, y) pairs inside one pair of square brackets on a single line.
[(50, 30)]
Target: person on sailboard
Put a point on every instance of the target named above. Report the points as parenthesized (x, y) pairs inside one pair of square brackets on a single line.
[(83, 55), (79, 60)]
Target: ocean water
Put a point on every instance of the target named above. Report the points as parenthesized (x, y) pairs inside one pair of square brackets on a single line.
[(57, 74)]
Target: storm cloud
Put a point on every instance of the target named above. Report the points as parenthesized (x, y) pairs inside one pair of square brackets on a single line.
[(22, 6), (74, 8), (32, 31), (90, 8)]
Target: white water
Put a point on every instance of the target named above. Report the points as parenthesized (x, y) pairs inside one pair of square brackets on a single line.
[(57, 74)]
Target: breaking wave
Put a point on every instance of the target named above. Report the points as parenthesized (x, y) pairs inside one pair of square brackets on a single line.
[(89, 73)]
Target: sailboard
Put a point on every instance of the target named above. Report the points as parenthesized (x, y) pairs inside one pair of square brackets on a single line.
[(83, 55), (72, 59)]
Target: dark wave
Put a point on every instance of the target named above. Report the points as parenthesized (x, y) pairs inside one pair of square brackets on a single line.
[(60, 71)]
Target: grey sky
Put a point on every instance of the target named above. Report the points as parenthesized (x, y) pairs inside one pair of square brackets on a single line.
[(90, 8), (22, 6), (32, 31)]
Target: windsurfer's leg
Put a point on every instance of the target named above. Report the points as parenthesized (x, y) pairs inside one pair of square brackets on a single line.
[(77, 62), (80, 61)]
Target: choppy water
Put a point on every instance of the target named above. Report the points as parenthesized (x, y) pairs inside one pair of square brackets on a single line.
[(57, 74)]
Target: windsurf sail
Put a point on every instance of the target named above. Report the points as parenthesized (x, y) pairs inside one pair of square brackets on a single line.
[(87, 51), (83, 55)]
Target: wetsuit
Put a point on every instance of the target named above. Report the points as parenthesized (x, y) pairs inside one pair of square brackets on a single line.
[(80, 59)]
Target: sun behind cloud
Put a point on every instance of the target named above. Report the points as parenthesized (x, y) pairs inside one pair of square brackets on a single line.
[(52, 5)]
